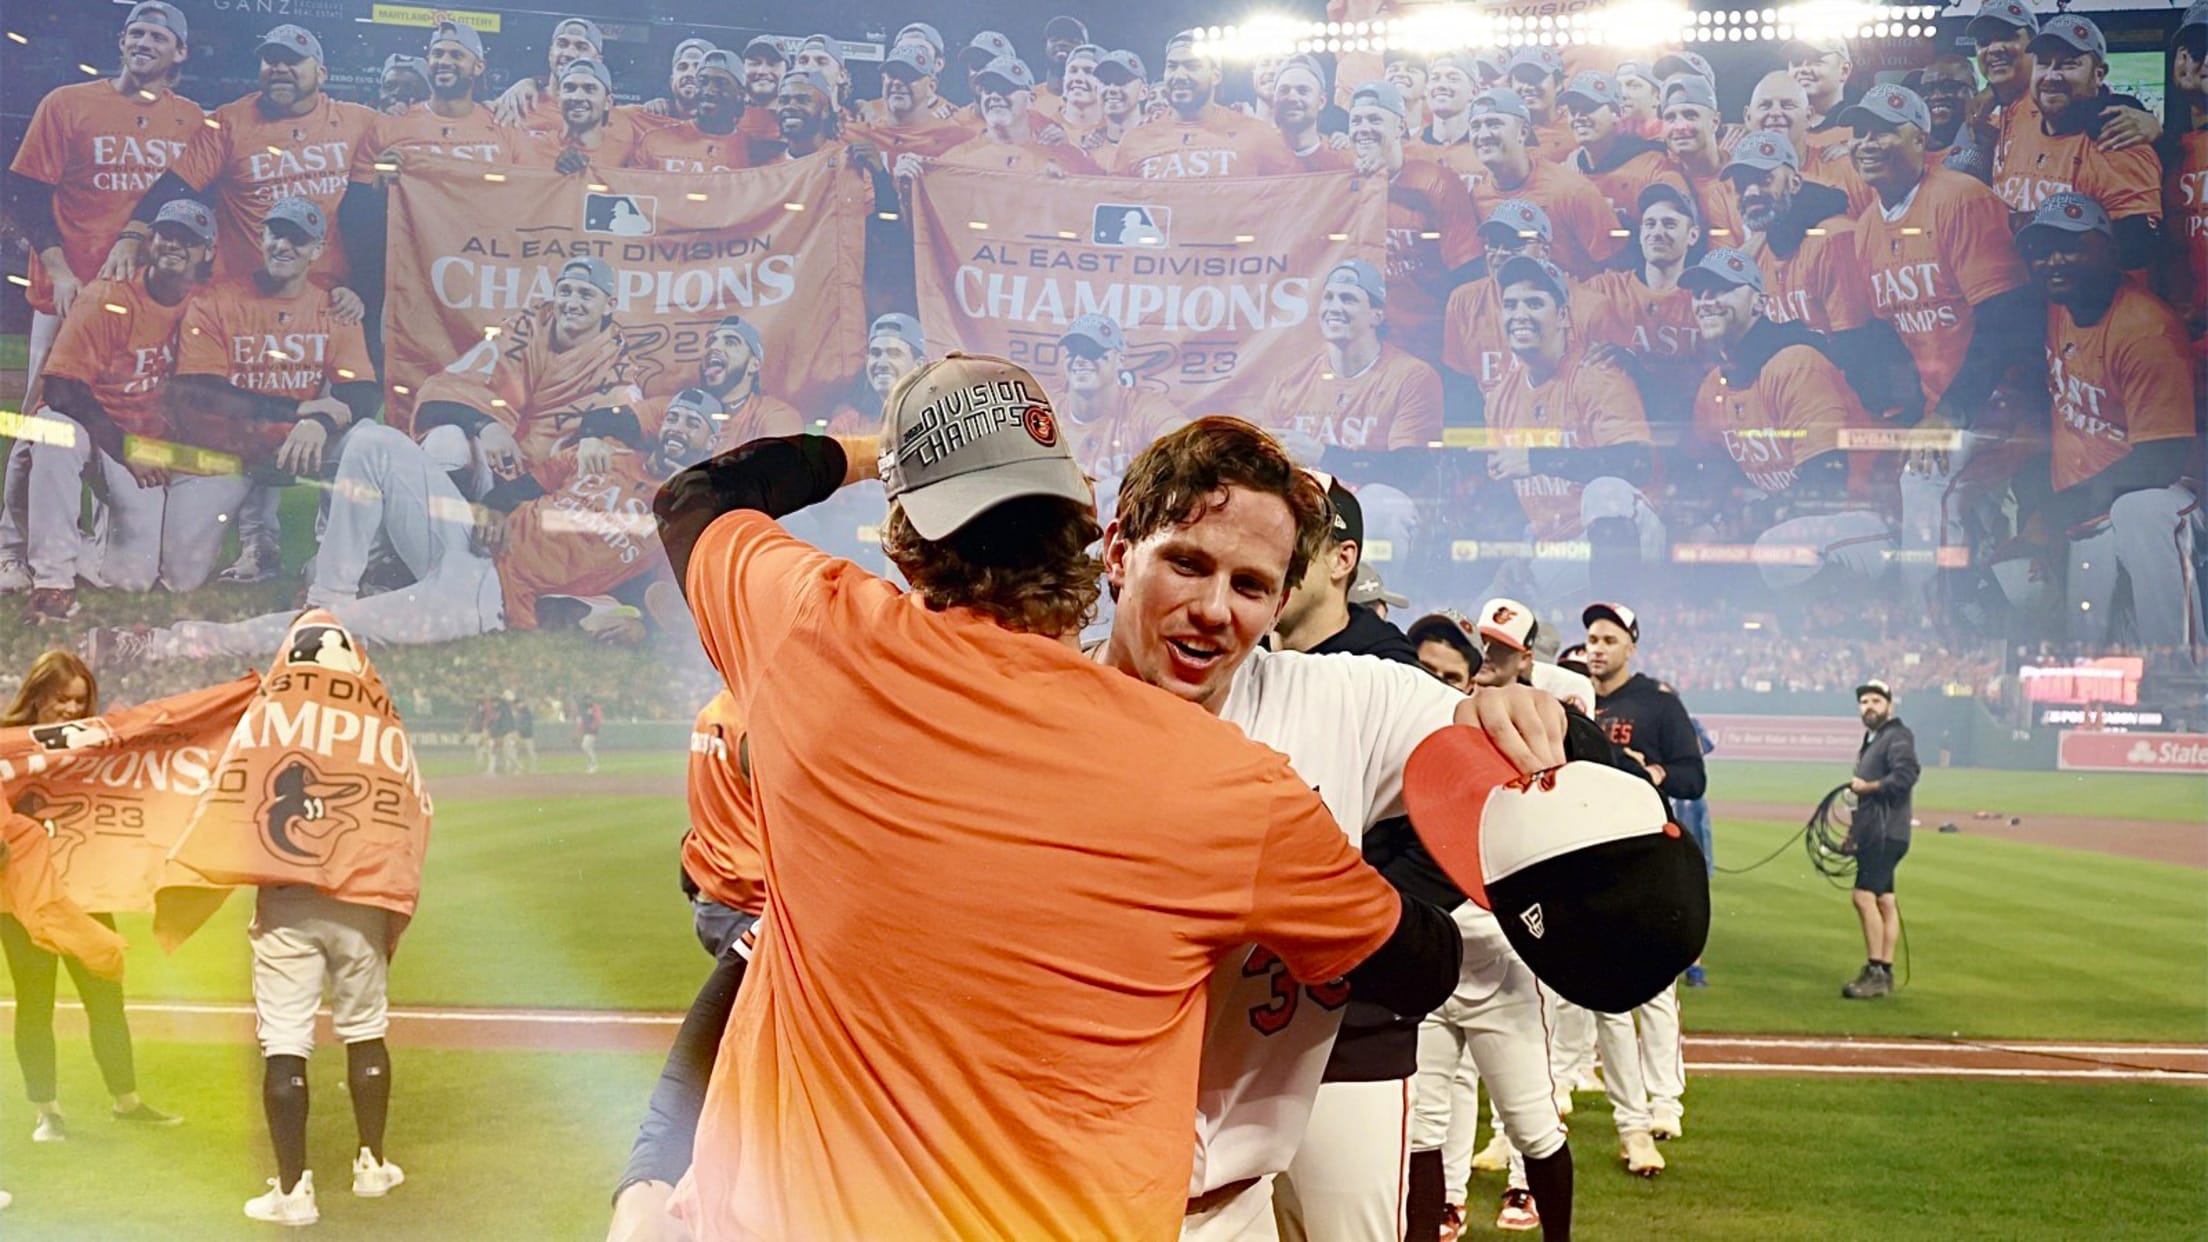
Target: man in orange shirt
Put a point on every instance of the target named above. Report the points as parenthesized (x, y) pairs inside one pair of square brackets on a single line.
[(1474, 352), (1404, 69), (1694, 161), (1007, 142), (1822, 68), (91, 150), (1573, 442), (1640, 319), (1451, 82), (709, 140), (1778, 107), (1201, 138), (1619, 162), (1360, 394), (1808, 248), (268, 379), (587, 137), (2126, 432), (1641, 96), (1123, 92), (895, 346), (948, 1125), (1432, 234), (2061, 151), (1952, 286), (729, 371), (1108, 416), (2185, 193), (1535, 75), (403, 83), (1299, 95), (1062, 37), (2004, 31), (1082, 109), (108, 371), (906, 122), (764, 65), (1777, 407), (1583, 220), (534, 103)]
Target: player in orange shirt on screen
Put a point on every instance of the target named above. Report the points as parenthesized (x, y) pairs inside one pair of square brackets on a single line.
[(1007, 142), (2185, 191), (533, 103), (1451, 82), (1640, 318), (588, 136), (709, 140), (1778, 107), (730, 370), (1619, 162), (1693, 158), (1359, 393), (1199, 137), (1536, 75), (1821, 68), (2057, 148), (2126, 432), (1476, 355), (1108, 415), (764, 64), (1015, 754), (1123, 92), (1299, 95), (1432, 234), (905, 120), (1582, 217)]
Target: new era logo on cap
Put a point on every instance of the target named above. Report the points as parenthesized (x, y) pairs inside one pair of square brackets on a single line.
[(1603, 897)]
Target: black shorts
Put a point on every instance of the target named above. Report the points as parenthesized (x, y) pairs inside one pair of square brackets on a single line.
[(1874, 866)]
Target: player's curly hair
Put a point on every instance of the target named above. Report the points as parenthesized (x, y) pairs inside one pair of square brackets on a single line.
[(49, 673), (1186, 472), (1025, 564)]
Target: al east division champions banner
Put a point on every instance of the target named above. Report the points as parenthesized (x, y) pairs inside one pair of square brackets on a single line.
[(114, 790), (1214, 283), (782, 246)]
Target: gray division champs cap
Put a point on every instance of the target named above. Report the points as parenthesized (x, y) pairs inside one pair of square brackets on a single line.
[(967, 433)]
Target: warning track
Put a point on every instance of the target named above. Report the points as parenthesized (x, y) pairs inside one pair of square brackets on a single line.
[(580, 1030)]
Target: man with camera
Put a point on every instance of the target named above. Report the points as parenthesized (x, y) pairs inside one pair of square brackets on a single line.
[(1885, 772)]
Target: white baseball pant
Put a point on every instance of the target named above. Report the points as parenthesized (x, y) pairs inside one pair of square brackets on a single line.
[(1935, 508), (1558, 581), (1571, 1040), (126, 553), (1244, 1217), (1858, 543), (387, 490), (1496, 1019), (15, 501), (1643, 1071), (2151, 536), (258, 521), (1350, 1176), (201, 507), (303, 938)]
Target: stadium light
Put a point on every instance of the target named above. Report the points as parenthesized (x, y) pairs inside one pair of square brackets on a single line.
[(1625, 23)]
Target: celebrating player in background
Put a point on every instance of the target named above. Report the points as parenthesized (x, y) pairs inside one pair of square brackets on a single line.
[(2125, 431), (91, 150), (708, 139), (587, 136), (1108, 415), (2058, 151), (1007, 142), (1885, 773), (404, 83), (730, 370), (906, 123), (946, 1123), (108, 376), (1502, 132), (1432, 234), (1621, 163), (1360, 393), (1199, 137), (534, 103), (895, 346), (60, 687)]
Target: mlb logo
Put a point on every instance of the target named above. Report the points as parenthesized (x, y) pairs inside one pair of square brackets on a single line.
[(323, 646), (622, 215), (73, 734), (1130, 224)]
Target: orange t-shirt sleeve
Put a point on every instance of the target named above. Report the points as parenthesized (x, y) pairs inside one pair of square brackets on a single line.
[(1618, 415), (748, 582), (1979, 250), (1813, 397), (1314, 901), (199, 342), (205, 156), (44, 155), (2128, 182), (1456, 334), (365, 153), (349, 361), (1417, 421), (1847, 279), (1592, 221), (90, 335), (2153, 371)]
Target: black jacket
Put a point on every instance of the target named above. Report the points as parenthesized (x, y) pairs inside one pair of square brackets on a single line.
[(1644, 717), (1888, 756)]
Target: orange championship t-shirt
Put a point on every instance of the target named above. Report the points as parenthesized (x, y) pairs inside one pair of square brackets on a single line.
[(248, 160), (1621, 186), (120, 343), (1220, 142), (1432, 231), (897, 1065), (476, 136), (1793, 413), (2124, 381), (1395, 402), (1034, 158), (1656, 325), (1107, 440), (1714, 202), (517, 378), (756, 417), (1324, 157), (1580, 218), (1949, 248), (1472, 342), (293, 348), (929, 139), (588, 534), (1456, 157), (2186, 208), (2029, 164), (1553, 142), (1582, 406), (101, 151), (1823, 284), (720, 853), (684, 148), (615, 148)]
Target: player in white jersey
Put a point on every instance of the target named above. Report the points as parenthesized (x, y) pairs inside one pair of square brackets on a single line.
[(1213, 520)]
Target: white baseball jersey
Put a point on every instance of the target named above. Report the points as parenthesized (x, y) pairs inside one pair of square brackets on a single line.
[(1348, 724)]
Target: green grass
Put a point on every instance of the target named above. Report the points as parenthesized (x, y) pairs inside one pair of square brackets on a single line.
[(2179, 798), (495, 1145)]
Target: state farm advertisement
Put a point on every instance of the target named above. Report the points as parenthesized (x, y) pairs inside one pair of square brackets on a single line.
[(2184, 753), (1811, 739)]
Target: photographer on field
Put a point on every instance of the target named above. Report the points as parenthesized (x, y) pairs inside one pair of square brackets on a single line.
[(1885, 771)]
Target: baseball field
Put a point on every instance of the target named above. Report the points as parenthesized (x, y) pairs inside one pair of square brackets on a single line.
[(556, 893)]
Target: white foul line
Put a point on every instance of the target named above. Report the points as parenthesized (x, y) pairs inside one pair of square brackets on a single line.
[(1990, 1045), (1935, 1071)]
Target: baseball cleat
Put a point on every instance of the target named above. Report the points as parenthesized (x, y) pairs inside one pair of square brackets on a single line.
[(1665, 1129), (50, 606), (1495, 1157), (114, 649), (147, 1115), (373, 1180), (50, 1129), (257, 562), (14, 575), (1452, 1223), (294, 1209), (1518, 1214), (1639, 1152)]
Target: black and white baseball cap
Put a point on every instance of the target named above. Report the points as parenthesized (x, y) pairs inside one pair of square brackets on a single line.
[(967, 433), (1604, 898), (1617, 613)]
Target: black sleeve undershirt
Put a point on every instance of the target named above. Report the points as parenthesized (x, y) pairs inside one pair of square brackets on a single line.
[(776, 476)]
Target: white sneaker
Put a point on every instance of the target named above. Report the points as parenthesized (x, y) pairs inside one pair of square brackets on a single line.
[(5, 1199), (50, 1129), (372, 1180), (14, 575), (1639, 1152), (1495, 1157), (294, 1209), (1665, 1129)]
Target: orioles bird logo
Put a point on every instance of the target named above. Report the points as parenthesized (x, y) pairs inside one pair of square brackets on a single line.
[(306, 815), (64, 821), (1503, 614)]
